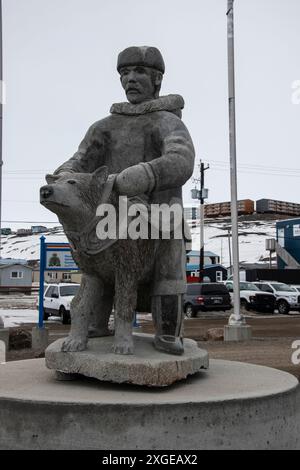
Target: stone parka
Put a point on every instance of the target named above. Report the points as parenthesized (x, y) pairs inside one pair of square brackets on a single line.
[(151, 134), (150, 149)]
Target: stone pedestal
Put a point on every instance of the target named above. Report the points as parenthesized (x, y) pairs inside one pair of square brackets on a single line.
[(237, 333), (4, 343), (40, 338), (231, 405), (146, 367), (4, 336)]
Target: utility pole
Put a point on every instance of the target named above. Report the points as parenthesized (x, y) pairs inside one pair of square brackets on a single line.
[(229, 251), (236, 317), (201, 195), (236, 330), (221, 261)]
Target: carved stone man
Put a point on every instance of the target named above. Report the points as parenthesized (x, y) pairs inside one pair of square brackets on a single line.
[(146, 144)]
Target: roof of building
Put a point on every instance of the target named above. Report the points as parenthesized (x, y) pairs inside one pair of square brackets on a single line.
[(197, 253), (8, 261), (190, 266), (2, 266), (295, 220)]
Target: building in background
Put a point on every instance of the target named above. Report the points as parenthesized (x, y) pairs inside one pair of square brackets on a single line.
[(24, 232), (213, 270), (56, 277), (192, 213), (270, 206), (212, 273), (15, 277), (193, 257), (38, 229), (5, 231), (245, 206), (288, 237)]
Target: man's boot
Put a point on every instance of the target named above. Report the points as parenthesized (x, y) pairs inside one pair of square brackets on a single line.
[(167, 312)]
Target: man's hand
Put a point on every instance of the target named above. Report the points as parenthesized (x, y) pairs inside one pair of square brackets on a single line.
[(137, 179)]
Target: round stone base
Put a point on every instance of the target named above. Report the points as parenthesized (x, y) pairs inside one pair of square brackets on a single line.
[(146, 367), (230, 406)]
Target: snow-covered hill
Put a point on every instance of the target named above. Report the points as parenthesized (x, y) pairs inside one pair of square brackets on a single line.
[(252, 238), (28, 247)]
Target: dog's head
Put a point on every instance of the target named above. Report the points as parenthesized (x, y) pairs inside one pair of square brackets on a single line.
[(73, 195)]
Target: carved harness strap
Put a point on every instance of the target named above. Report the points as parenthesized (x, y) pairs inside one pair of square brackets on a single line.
[(87, 239)]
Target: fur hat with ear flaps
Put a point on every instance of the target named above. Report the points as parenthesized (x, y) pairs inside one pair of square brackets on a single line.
[(145, 56)]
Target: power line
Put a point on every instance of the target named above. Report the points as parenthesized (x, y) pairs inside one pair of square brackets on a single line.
[(216, 163), (252, 165), (29, 222), (269, 173)]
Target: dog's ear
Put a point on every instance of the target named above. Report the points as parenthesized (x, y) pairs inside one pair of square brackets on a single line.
[(51, 178), (100, 175)]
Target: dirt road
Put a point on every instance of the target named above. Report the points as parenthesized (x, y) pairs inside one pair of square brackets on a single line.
[(271, 344)]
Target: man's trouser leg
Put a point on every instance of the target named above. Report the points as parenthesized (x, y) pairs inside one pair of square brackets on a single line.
[(167, 314), (167, 298)]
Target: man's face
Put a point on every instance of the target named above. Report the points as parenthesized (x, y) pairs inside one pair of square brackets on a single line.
[(138, 83)]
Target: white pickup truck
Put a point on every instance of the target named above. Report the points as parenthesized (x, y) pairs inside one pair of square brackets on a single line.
[(57, 300), (252, 298), (286, 297)]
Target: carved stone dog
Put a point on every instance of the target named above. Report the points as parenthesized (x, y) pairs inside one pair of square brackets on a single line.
[(113, 270)]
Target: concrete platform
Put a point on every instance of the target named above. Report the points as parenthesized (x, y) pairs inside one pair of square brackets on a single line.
[(4, 343), (230, 406), (146, 367)]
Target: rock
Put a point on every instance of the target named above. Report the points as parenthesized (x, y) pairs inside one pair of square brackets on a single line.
[(215, 334), (146, 367), (19, 339), (202, 337), (39, 354)]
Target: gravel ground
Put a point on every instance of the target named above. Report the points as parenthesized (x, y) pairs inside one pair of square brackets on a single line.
[(271, 344)]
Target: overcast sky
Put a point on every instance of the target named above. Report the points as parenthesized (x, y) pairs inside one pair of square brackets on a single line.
[(60, 74)]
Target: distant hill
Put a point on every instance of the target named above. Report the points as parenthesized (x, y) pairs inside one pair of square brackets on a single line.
[(253, 233), (28, 247)]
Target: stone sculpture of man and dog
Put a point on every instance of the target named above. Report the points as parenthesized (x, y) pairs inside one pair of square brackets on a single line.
[(141, 150)]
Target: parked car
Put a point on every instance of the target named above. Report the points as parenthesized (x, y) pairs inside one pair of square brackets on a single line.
[(57, 300), (295, 288), (286, 298), (252, 298), (206, 296)]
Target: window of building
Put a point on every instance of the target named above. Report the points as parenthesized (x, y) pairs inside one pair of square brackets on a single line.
[(16, 275), (66, 277), (52, 275), (219, 276)]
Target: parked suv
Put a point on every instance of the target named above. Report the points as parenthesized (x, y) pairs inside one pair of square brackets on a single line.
[(252, 298), (295, 288), (204, 297), (57, 300), (286, 298)]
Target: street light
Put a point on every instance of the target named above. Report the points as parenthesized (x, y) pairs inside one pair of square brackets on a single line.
[(236, 318)]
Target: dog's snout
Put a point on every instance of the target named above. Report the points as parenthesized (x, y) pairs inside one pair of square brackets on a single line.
[(46, 191)]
